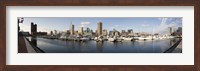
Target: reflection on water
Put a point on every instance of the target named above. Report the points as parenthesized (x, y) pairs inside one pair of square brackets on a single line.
[(33, 41), (59, 46)]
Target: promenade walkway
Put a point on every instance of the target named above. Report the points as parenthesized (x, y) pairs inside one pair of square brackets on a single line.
[(21, 45), (24, 46)]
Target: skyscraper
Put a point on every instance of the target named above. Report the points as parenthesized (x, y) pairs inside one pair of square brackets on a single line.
[(179, 29), (72, 29), (33, 29), (51, 33), (99, 28)]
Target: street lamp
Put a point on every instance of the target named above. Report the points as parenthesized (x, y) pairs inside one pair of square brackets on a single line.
[(20, 20)]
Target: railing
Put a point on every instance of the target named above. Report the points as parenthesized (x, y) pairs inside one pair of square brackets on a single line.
[(171, 49)]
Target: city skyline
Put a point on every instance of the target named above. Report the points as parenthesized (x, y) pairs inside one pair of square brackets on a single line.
[(150, 25)]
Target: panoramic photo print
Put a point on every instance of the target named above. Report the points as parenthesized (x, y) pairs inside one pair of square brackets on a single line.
[(99, 34)]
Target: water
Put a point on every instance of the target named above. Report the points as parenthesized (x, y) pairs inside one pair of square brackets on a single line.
[(60, 46)]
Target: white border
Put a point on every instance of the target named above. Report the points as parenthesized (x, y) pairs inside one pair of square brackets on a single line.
[(185, 58)]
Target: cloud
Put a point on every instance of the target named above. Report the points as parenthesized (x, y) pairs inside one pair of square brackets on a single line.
[(84, 24), (144, 25), (168, 22)]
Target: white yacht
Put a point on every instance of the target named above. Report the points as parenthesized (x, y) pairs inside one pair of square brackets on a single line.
[(99, 39), (127, 38), (119, 39), (84, 39), (112, 39)]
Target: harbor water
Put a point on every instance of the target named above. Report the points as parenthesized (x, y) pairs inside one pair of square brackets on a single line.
[(91, 46)]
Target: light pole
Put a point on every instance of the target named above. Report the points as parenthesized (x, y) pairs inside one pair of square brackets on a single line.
[(20, 20)]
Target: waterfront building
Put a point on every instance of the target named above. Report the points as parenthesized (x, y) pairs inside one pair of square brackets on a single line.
[(72, 29), (130, 31), (41, 33), (179, 29), (111, 33), (33, 29), (88, 32), (124, 33), (105, 33), (96, 32), (76, 32), (25, 33), (51, 33), (80, 31), (68, 32), (99, 28)]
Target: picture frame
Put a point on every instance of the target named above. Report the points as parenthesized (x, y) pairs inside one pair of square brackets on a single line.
[(3, 42)]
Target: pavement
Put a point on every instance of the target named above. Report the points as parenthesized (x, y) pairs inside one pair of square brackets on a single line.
[(178, 49), (21, 45)]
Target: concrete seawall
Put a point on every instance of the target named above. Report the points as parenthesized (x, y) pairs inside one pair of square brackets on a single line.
[(25, 46), (29, 47), (175, 48)]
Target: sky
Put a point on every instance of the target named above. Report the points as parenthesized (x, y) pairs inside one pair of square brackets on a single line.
[(138, 24)]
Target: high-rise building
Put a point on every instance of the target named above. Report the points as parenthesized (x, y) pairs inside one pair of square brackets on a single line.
[(99, 28), (130, 31), (51, 33), (88, 32), (72, 29), (80, 31), (179, 29), (33, 29)]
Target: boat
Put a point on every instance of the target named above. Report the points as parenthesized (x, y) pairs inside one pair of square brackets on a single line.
[(145, 38), (127, 38), (111, 39), (76, 38), (63, 37), (119, 39), (99, 39), (84, 39), (136, 38)]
